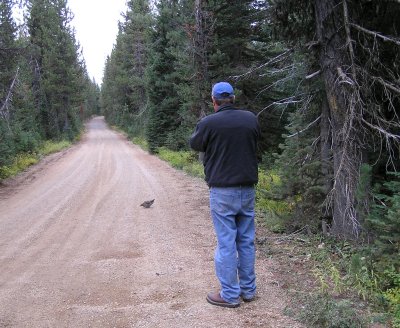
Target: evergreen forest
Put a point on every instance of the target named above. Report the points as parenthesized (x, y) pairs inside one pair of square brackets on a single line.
[(323, 77)]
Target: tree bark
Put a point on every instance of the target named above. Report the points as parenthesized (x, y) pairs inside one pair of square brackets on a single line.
[(200, 44), (334, 57), (326, 152)]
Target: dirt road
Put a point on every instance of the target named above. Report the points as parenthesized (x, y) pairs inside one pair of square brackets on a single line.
[(77, 250)]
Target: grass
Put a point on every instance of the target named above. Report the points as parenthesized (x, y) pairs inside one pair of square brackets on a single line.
[(343, 293), (24, 160), (322, 311), (50, 147), (20, 163), (183, 160), (273, 211), (141, 142)]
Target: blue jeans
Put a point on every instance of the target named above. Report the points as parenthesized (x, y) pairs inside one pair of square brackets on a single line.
[(232, 212)]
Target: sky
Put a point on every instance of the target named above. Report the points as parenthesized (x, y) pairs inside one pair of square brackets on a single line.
[(96, 28)]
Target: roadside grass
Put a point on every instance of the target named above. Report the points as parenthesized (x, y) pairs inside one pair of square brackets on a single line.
[(272, 211), (182, 160), (141, 142), (24, 160), (50, 147), (315, 273)]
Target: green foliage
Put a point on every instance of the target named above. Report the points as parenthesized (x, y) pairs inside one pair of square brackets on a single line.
[(392, 295), (274, 211), (342, 269), (20, 163), (164, 78), (384, 218), (322, 311), (140, 141), (184, 160), (50, 147), (363, 191), (23, 160), (8, 53), (45, 91), (384, 224), (124, 96), (59, 90), (301, 168)]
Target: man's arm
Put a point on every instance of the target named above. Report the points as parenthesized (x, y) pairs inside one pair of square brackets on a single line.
[(197, 140)]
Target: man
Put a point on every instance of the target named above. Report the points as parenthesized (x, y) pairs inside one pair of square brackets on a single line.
[(228, 139)]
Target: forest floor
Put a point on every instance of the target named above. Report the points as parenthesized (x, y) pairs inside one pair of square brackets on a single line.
[(77, 250)]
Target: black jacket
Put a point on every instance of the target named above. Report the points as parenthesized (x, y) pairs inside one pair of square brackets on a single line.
[(229, 140)]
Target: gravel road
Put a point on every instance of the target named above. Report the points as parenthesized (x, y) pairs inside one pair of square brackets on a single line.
[(77, 250)]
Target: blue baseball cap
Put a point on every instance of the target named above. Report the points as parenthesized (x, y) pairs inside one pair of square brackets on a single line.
[(222, 90)]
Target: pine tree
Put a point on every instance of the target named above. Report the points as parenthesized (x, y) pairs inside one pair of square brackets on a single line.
[(124, 94), (58, 69), (352, 61), (8, 57), (164, 100), (8, 76), (136, 33)]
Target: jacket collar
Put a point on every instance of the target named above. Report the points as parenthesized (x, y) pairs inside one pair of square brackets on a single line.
[(225, 107)]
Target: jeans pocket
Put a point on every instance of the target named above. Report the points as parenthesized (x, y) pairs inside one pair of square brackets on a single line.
[(248, 199), (221, 201)]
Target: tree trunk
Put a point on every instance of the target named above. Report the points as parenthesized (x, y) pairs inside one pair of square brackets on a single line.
[(200, 44), (326, 153), (334, 60)]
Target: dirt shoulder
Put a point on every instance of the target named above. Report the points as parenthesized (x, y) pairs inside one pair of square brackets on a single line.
[(77, 250)]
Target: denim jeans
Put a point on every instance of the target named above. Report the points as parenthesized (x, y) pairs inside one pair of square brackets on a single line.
[(232, 212)]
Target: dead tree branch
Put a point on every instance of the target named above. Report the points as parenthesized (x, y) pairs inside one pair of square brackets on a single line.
[(4, 110), (306, 128), (376, 34), (285, 101), (274, 60)]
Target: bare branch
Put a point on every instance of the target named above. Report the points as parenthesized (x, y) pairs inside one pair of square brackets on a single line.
[(306, 128), (376, 34), (382, 131), (4, 110), (348, 38), (386, 84), (274, 60), (313, 74), (344, 78), (285, 101)]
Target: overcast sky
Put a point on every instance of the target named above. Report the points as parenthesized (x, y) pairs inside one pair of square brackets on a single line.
[(96, 24)]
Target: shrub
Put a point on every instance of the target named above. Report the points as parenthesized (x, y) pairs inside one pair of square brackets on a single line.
[(23, 160), (50, 147), (20, 163), (322, 311), (183, 160), (275, 211), (141, 142)]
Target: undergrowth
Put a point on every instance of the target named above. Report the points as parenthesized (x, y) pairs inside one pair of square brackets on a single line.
[(184, 160), (141, 142), (24, 160), (274, 211), (322, 311), (349, 292)]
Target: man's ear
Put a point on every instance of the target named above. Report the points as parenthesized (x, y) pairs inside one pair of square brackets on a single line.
[(215, 105)]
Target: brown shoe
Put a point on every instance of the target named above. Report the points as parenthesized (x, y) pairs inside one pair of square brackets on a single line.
[(216, 299), (247, 300)]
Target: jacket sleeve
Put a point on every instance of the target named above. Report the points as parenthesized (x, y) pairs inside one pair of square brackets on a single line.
[(197, 140)]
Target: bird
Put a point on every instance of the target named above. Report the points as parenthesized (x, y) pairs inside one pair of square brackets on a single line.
[(147, 203)]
